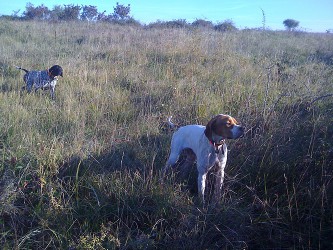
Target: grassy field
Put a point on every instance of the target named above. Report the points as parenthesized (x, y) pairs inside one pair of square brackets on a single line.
[(83, 171)]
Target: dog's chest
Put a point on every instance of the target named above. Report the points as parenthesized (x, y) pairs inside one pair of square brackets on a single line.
[(51, 84), (217, 157)]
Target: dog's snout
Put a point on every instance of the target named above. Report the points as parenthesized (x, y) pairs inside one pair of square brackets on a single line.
[(238, 132), (241, 131)]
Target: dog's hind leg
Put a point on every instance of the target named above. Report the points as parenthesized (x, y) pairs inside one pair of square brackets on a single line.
[(202, 185), (170, 162), (176, 149)]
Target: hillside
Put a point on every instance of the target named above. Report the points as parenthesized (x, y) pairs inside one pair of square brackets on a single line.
[(83, 171)]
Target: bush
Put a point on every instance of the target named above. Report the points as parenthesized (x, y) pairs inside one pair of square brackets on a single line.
[(179, 23), (200, 23), (226, 26)]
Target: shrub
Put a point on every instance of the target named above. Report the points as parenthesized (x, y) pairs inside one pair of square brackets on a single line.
[(226, 26), (200, 23), (179, 23)]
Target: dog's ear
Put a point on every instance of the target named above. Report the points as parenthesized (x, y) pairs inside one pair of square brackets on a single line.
[(209, 128)]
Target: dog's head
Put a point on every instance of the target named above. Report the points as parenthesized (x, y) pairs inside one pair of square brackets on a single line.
[(55, 71), (223, 127)]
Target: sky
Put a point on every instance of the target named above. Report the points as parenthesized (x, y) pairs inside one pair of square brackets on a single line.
[(312, 15)]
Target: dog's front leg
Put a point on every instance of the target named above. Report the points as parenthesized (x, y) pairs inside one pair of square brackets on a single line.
[(52, 88), (52, 93), (220, 173), (29, 87), (202, 185)]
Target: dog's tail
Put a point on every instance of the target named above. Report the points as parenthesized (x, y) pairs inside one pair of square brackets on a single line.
[(22, 69), (168, 125), (171, 124)]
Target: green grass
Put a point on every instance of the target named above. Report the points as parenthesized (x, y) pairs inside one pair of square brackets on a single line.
[(83, 171)]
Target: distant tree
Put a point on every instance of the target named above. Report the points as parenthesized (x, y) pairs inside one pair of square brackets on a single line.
[(89, 13), (225, 26), (71, 12), (290, 24), (200, 23), (121, 12), (29, 12), (57, 13), (15, 14), (40, 12), (120, 15), (102, 16)]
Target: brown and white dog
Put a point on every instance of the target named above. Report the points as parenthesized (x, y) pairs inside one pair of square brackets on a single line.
[(208, 145)]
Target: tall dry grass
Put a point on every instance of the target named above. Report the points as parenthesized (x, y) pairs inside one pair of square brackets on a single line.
[(82, 171)]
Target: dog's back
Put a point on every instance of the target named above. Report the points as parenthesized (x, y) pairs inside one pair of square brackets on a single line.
[(188, 135), (36, 77)]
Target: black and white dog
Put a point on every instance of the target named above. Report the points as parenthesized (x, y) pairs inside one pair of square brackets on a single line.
[(42, 79)]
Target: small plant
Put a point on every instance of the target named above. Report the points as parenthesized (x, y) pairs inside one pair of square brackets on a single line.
[(263, 19)]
